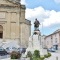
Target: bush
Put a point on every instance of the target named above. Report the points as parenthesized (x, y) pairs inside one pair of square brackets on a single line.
[(36, 58), (42, 58), (15, 55), (36, 54), (48, 55), (29, 54)]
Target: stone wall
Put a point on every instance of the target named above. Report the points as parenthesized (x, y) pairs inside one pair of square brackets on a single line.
[(12, 18), (25, 33)]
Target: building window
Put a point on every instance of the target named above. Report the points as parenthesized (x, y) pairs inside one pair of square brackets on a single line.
[(56, 40), (55, 35), (1, 31), (51, 37), (51, 41), (47, 43), (59, 34)]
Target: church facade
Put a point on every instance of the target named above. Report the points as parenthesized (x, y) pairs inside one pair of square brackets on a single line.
[(13, 25)]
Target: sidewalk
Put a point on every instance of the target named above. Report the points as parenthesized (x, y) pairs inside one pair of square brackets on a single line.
[(55, 56), (6, 59)]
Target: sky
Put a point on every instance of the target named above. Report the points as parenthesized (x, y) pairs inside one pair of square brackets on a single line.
[(46, 11)]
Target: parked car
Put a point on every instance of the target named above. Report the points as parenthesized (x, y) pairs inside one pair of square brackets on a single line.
[(22, 50), (3, 51), (51, 50), (10, 49)]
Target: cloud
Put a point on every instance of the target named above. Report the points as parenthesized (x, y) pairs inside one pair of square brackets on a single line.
[(54, 18), (23, 2), (57, 1), (46, 17), (38, 12)]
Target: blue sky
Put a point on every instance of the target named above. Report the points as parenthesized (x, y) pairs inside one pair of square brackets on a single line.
[(46, 4), (46, 11)]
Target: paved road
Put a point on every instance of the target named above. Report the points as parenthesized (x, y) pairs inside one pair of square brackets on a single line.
[(3, 57), (6, 59)]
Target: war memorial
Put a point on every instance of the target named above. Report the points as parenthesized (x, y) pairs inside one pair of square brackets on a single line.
[(35, 40)]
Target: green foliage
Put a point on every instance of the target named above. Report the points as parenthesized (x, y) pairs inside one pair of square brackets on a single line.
[(36, 54), (47, 55), (15, 55), (42, 58), (36, 58), (29, 54)]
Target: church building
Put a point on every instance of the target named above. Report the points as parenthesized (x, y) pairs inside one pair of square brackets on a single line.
[(13, 25)]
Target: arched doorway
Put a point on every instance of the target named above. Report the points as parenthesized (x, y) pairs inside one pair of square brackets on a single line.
[(1, 32)]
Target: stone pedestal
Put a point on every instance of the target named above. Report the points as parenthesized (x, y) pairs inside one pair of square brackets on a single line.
[(35, 43)]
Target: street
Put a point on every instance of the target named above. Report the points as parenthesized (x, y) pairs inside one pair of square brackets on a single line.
[(4, 57)]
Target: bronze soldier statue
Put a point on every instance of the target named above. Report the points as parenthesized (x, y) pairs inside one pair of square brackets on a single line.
[(36, 24)]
